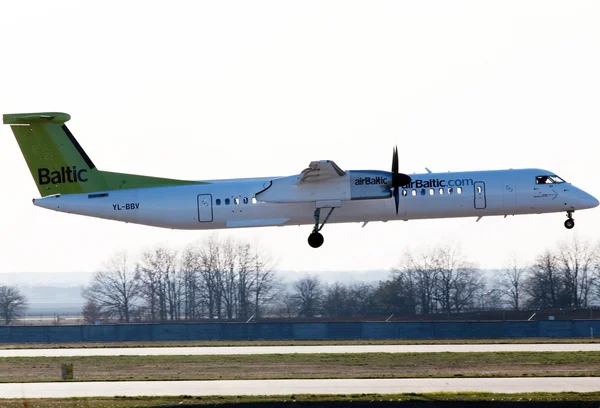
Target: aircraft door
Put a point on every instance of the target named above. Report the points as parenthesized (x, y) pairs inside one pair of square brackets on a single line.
[(205, 212), (479, 190)]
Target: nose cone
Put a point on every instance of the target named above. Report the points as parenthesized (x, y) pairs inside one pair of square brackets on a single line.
[(587, 201)]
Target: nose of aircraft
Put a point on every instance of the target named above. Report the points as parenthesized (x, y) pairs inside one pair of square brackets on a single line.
[(587, 201)]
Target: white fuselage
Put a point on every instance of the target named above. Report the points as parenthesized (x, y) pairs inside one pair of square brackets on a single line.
[(282, 201)]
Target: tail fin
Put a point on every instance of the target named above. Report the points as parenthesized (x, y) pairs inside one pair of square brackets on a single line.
[(56, 160), (58, 163)]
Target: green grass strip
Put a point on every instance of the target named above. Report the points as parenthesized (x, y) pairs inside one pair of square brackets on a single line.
[(356, 400), (298, 366)]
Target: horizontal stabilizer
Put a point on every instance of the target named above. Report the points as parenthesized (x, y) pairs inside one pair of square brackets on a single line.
[(30, 118)]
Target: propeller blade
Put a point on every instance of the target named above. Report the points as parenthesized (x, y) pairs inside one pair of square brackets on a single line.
[(398, 179)]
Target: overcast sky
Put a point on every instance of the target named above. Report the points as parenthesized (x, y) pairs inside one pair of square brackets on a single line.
[(206, 90)]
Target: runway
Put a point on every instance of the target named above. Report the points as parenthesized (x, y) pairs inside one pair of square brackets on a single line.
[(212, 351), (289, 387)]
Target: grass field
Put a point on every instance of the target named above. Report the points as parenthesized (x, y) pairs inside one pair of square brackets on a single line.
[(287, 366), (257, 343), (368, 365), (313, 401)]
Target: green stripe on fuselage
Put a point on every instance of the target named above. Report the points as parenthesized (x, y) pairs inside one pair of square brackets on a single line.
[(118, 181)]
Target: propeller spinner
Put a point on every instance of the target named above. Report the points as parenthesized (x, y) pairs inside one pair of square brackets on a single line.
[(398, 179)]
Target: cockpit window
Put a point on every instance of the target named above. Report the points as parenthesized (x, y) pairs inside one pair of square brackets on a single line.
[(549, 179)]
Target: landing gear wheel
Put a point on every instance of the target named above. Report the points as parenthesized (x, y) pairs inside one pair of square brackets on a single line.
[(570, 223), (315, 239)]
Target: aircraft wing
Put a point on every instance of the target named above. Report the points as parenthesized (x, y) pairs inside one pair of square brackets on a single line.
[(320, 170)]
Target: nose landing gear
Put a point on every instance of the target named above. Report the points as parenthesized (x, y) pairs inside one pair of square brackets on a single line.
[(570, 222), (315, 239)]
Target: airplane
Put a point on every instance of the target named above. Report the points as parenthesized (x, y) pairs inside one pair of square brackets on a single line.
[(68, 181)]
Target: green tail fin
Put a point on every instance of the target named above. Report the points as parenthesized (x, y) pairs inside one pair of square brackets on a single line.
[(58, 163)]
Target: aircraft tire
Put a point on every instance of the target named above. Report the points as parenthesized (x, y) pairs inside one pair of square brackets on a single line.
[(570, 223), (315, 239)]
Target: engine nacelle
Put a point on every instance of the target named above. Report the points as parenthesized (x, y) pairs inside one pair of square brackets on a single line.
[(354, 185)]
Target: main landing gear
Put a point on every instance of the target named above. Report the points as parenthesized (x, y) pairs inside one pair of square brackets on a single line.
[(315, 239), (570, 222)]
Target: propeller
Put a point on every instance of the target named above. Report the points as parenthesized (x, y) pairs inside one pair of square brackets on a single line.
[(398, 179)]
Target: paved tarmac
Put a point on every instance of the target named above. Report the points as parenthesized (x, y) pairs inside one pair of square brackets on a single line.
[(197, 351), (289, 387)]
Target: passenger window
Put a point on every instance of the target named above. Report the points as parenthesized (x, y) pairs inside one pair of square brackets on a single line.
[(254, 200), (441, 191), (414, 192), (431, 191), (227, 201), (404, 193), (245, 200), (450, 190), (458, 190), (218, 201), (422, 191), (236, 201)]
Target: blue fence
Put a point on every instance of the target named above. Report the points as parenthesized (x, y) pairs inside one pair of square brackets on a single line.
[(301, 331)]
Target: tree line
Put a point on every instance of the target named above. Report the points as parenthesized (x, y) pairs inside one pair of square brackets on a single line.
[(442, 280), (232, 280), (219, 279)]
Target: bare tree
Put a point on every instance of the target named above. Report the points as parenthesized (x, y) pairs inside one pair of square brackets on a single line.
[(149, 281), (335, 301), (439, 278), (545, 285), (578, 261), (420, 276), (115, 288), (458, 280), (511, 283), (12, 303), (488, 298), (211, 267), (309, 296), (361, 300), (355, 299), (91, 312), (161, 284), (192, 297), (229, 277), (265, 283), (287, 305), (392, 297)]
